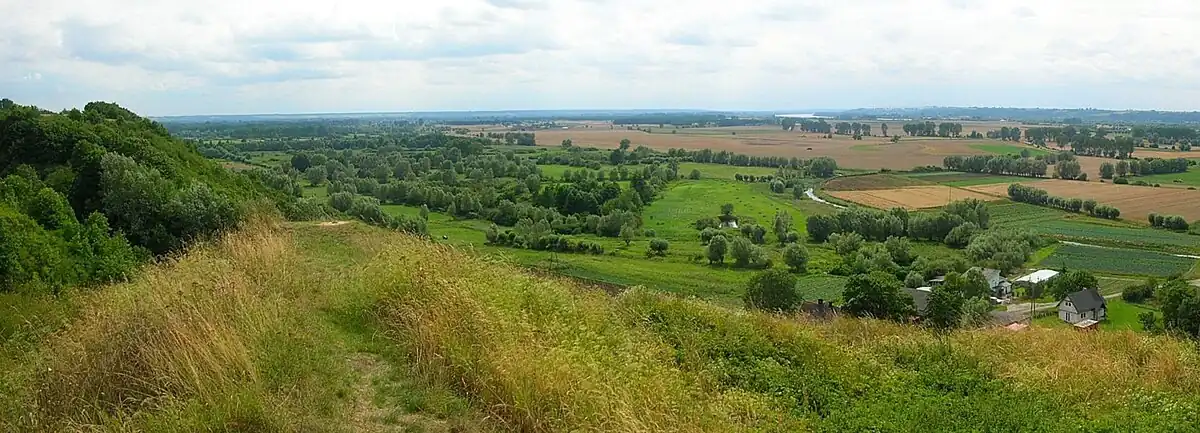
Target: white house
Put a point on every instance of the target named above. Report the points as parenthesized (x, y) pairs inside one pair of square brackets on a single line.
[(1086, 304)]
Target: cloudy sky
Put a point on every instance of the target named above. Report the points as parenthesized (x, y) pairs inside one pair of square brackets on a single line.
[(169, 57)]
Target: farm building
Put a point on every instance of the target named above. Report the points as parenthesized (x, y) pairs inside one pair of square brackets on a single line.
[(1036, 279), (1086, 304)]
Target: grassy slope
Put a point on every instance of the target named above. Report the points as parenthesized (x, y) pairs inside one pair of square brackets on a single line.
[(350, 328)]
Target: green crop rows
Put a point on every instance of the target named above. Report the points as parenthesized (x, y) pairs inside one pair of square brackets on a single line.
[(1117, 261)]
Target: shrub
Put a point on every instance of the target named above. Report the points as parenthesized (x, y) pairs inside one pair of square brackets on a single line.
[(658, 247), (795, 256), (772, 290)]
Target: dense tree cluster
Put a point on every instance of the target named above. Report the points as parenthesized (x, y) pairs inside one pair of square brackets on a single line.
[(89, 193), (1040, 197), (997, 164), (1171, 222), (879, 225), (931, 129), (819, 126), (539, 236), (514, 138)]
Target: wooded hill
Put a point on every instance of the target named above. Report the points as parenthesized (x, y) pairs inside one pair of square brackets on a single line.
[(86, 195)]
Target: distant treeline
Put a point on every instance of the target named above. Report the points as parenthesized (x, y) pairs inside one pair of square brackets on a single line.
[(1066, 115), (689, 119)]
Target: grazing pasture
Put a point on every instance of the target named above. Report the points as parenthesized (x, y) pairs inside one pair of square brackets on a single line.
[(913, 197), (1135, 202)]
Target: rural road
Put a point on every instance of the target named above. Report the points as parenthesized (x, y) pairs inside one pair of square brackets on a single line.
[(814, 197)]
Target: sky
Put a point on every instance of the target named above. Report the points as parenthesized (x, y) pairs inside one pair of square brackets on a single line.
[(172, 57)]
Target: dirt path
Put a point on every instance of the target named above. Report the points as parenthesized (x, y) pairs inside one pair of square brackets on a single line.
[(367, 415)]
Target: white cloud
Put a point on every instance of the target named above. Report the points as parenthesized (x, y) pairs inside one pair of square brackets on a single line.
[(237, 56)]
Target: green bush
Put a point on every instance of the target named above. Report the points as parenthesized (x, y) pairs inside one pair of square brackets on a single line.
[(772, 290)]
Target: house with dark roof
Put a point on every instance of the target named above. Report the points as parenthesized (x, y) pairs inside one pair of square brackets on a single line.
[(1086, 304), (1001, 288), (920, 297)]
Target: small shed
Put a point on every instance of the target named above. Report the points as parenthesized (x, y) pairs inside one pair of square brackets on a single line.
[(1087, 325)]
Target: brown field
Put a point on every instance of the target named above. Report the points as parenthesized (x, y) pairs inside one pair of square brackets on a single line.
[(1135, 202), (872, 181), (871, 153), (913, 197)]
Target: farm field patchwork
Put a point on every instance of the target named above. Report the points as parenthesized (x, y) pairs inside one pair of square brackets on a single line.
[(872, 152), (1117, 261), (913, 197), (1135, 202)]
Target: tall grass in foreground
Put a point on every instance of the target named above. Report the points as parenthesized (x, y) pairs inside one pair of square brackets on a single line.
[(214, 341), (545, 355), (541, 356), (247, 334)]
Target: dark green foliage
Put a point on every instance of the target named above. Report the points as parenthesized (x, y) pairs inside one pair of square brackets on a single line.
[(1170, 222), (997, 164), (877, 294), (1180, 305), (945, 307), (795, 256), (822, 166), (960, 236), (717, 247), (1070, 282), (1003, 249), (772, 290), (1032, 195), (914, 279), (821, 226), (748, 255), (1141, 292), (658, 247)]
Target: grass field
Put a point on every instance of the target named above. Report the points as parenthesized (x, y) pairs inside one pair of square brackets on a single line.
[(1117, 261), (1008, 149), (1188, 178)]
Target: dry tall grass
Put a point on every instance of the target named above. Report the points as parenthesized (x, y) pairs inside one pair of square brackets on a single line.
[(225, 339), (542, 356), (192, 337)]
